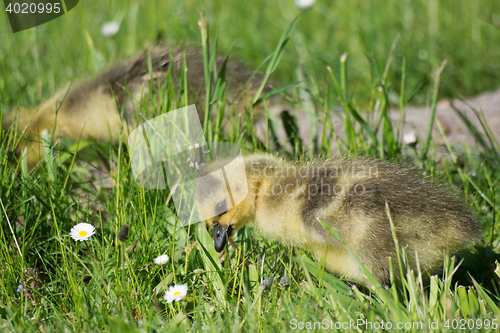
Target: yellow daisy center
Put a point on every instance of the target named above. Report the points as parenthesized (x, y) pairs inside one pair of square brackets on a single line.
[(176, 294), (82, 233)]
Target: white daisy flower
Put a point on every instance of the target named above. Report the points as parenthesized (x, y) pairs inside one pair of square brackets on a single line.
[(163, 259), (82, 231), (109, 29), (303, 4), (410, 138), (176, 293)]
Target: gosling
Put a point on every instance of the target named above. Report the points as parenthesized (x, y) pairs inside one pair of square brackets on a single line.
[(285, 199), (106, 107)]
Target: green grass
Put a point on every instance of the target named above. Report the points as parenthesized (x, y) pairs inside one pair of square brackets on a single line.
[(36, 62), (112, 285)]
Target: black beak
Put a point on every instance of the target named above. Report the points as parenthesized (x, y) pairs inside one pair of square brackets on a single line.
[(221, 236)]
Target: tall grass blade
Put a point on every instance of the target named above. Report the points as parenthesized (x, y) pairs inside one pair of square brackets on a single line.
[(211, 262), (433, 109), (276, 57)]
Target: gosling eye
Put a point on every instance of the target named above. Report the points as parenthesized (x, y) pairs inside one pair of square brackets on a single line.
[(221, 208)]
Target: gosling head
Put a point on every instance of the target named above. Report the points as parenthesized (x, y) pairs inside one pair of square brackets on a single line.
[(225, 207)]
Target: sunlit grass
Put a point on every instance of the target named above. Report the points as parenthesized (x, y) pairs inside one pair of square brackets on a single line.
[(111, 282), (463, 32)]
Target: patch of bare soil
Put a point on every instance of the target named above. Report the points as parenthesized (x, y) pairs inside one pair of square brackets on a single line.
[(416, 121), (456, 130)]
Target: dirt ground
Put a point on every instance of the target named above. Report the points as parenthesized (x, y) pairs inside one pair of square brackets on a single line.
[(417, 120), (416, 123)]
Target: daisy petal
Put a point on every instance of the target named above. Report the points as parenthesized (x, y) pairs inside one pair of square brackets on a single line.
[(176, 293), (82, 231), (163, 259)]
